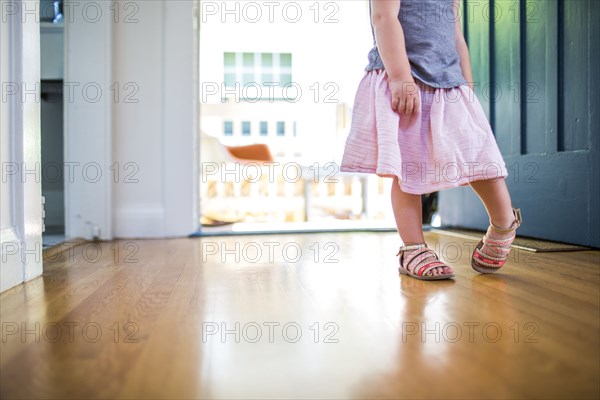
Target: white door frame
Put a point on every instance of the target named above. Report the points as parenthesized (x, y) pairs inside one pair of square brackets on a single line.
[(21, 233)]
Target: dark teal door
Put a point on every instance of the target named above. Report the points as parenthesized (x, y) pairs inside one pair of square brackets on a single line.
[(536, 67)]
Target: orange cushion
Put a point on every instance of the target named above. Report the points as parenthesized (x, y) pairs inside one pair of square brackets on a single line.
[(253, 152)]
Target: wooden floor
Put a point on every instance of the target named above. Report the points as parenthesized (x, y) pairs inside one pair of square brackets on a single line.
[(184, 318)]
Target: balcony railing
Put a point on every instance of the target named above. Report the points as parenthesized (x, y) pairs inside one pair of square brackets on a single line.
[(275, 192)]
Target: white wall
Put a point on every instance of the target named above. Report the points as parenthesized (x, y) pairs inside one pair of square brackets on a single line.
[(145, 132), (87, 108), (157, 135), (138, 128)]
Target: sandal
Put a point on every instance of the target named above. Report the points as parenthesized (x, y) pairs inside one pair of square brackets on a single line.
[(497, 250), (417, 261)]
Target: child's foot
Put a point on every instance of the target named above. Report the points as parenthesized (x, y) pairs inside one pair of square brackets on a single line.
[(420, 262), (492, 251)]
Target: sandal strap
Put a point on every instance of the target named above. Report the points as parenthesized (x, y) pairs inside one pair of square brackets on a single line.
[(499, 243), (498, 247), (421, 260), (418, 259), (490, 257), (429, 266), (516, 223), (411, 247), (487, 261)]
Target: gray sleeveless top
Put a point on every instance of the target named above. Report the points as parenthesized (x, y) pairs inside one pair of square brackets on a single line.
[(428, 27)]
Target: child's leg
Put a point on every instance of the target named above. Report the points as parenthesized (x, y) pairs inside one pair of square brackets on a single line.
[(496, 199), (408, 216)]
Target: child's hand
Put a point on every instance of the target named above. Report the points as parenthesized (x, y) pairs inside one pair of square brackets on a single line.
[(405, 97)]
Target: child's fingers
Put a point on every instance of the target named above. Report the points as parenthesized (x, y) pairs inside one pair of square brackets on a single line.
[(409, 105), (402, 106), (395, 101)]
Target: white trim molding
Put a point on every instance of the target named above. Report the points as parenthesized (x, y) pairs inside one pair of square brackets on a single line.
[(21, 237)]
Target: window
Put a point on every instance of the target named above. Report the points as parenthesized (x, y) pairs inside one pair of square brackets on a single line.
[(280, 128), (266, 63), (227, 128), (285, 68), (264, 128), (245, 128), (248, 60), (265, 69), (229, 68)]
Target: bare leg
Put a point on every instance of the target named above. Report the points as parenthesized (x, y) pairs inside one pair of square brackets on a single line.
[(407, 212), (408, 216), (496, 199)]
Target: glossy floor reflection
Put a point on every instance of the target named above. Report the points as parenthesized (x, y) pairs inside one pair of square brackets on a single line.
[(299, 316)]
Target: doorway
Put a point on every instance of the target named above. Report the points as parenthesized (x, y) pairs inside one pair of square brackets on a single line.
[(52, 116), (277, 85)]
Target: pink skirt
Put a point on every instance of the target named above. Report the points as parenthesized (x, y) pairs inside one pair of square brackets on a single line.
[(447, 143)]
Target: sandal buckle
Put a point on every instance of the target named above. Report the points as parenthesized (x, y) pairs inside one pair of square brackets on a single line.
[(518, 219)]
